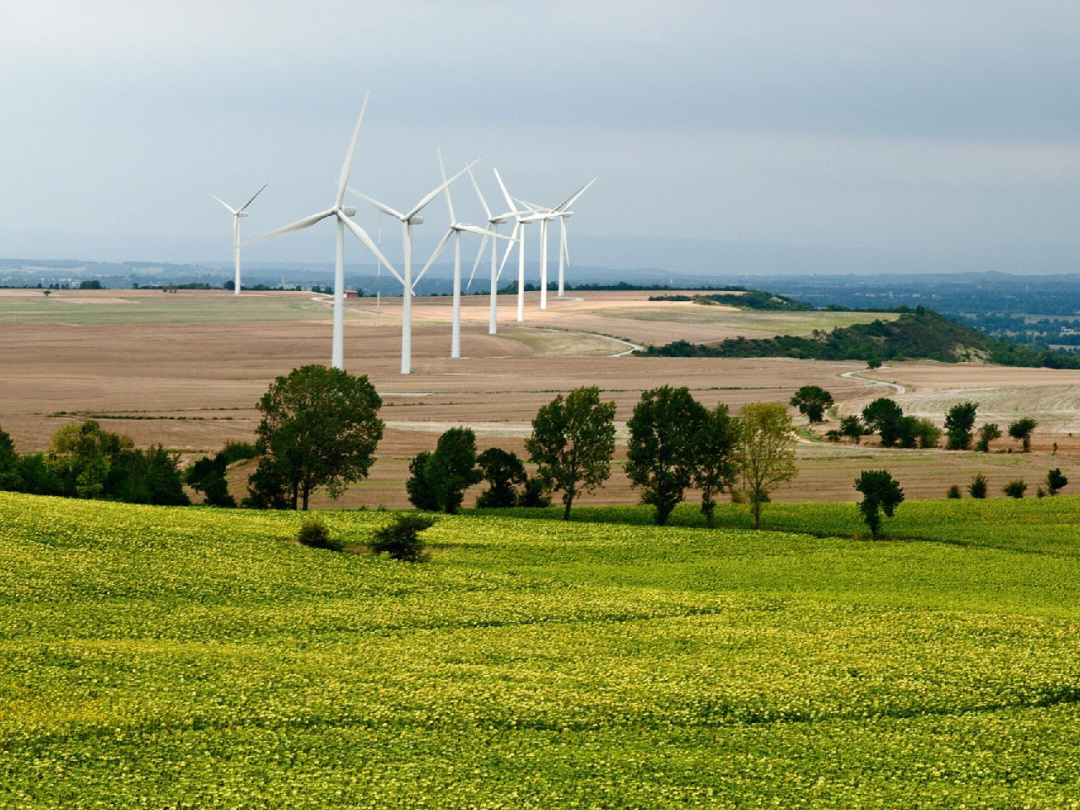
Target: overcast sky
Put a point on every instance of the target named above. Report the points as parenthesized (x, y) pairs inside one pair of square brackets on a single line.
[(930, 126)]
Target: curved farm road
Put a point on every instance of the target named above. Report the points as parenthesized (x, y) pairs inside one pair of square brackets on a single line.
[(855, 375)]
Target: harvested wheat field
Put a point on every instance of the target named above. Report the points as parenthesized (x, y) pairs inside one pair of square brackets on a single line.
[(186, 369)]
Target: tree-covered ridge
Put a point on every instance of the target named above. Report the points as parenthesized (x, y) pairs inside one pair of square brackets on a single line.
[(750, 299), (917, 334)]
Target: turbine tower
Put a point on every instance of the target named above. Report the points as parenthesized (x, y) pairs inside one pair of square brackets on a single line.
[(407, 221), (496, 271), (543, 216), (237, 213), (341, 214), (454, 230)]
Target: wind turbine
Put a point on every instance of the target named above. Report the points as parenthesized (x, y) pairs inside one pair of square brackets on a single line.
[(237, 213), (407, 221), (341, 214), (521, 218), (493, 228), (544, 215), (456, 228)]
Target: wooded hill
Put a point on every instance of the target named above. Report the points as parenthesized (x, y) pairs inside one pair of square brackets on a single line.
[(917, 334)]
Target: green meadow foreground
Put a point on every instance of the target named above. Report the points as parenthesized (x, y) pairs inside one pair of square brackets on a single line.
[(196, 658)]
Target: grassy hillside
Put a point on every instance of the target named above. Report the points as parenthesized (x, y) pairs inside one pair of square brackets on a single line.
[(915, 334), (191, 658)]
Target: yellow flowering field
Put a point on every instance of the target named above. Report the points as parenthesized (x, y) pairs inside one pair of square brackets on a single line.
[(157, 657)]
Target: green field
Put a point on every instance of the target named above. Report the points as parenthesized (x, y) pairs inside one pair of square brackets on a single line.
[(193, 658), (147, 308), (770, 323)]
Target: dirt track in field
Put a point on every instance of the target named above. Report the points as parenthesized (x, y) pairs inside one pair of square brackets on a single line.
[(193, 386)]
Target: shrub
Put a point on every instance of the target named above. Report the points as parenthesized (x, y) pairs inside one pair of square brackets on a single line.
[(954, 492), (987, 434), (1015, 489), (978, 486), (928, 434), (401, 539), (534, 493), (1021, 430), (1055, 480), (314, 534), (880, 494)]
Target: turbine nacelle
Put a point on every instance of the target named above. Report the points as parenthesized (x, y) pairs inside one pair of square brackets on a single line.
[(416, 219)]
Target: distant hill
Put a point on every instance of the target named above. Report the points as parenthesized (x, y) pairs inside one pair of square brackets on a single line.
[(918, 334), (747, 299)]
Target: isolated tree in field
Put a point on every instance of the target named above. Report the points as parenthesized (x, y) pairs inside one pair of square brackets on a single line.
[(86, 453), (660, 452), (959, 422), (715, 469), (978, 486), (572, 442), (765, 451), (853, 428), (1055, 481), (885, 417), (987, 434), (440, 479), (881, 494), (319, 428), (1021, 430), (812, 402), (1015, 489), (504, 473)]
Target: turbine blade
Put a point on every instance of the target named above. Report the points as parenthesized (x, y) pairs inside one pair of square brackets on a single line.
[(573, 197), (506, 255), (306, 222), (449, 203), (352, 148), (483, 202), (435, 255), (479, 254), (479, 231), (505, 193), (232, 210), (361, 234), (533, 206), (386, 209), (253, 196), (432, 195)]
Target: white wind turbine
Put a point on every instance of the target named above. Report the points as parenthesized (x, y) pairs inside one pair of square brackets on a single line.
[(456, 228), (496, 271), (341, 214), (237, 213), (407, 221), (521, 219), (544, 215)]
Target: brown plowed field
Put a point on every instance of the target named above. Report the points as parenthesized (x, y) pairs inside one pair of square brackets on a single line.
[(180, 370)]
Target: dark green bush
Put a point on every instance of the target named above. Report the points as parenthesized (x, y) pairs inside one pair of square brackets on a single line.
[(954, 492), (1015, 489), (314, 534), (401, 539), (978, 486)]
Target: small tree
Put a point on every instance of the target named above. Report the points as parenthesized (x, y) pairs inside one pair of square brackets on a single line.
[(439, 479), (1015, 489), (885, 417), (1021, 430), (572, 442), (765, 451), (978, 486), (504, 473), (716, 469), (320, 426), (987, 434), (812, 402), (927, 433), (661, 450), (880, 494), (959, 422), (953, 492), (10, 479), (852, 428), (401, 539), (1055, 481)]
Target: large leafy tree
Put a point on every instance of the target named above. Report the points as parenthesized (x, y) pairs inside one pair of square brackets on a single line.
[(887, 418), (439, 479), (1021, 430), (812, 402), (959, 422), (766, 451), (661, 452), (319, 428), (504, 473), (880, 494), (716, 468), (572, 442)]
